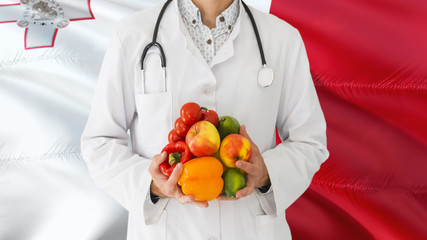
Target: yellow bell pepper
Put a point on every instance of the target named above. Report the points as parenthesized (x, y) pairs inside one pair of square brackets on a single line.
[(201, 177)]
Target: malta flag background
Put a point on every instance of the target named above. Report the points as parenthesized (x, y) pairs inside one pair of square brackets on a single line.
[(369, 64)]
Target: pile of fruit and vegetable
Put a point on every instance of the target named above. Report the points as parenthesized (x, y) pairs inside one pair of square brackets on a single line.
[(208, 147)]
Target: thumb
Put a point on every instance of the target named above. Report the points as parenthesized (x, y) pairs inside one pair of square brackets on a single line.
[(245, 134), (159, 158), (175, 174)]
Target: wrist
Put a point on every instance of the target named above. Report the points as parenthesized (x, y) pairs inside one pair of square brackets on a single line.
[(265, 179), (154, 190)]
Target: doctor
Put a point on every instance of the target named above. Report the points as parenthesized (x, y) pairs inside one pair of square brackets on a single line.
[(212, 58)]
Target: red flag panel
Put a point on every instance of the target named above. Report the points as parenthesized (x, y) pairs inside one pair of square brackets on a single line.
[(368, 61)]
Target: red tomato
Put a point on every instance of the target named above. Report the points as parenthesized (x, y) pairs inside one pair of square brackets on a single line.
[(173, 136), (190, 113), (209, 115), (181, 128)]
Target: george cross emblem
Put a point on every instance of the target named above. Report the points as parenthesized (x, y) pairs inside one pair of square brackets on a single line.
[(42, 18)]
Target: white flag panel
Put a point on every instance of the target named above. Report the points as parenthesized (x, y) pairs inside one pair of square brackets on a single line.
[(50, 55)]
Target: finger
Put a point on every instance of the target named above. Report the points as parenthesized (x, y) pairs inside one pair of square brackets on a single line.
[(193, 201), (255, 150), (248, 167), (173, 179), (248, 190), (203, 204), (169, 186), (225, 198), (157, 160), (183, 198), (245, 134), (154, 168)]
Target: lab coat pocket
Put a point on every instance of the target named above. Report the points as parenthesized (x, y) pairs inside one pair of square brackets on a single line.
[(137, 228), (154, 122), (272, 227)]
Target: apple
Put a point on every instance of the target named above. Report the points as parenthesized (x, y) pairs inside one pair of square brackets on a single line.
[(235, 147), (203, 139)]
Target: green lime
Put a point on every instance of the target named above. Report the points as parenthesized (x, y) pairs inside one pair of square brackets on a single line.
[(233, 182), (228, 125)]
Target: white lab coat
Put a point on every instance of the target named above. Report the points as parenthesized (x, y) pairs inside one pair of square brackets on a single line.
[(229, 85)]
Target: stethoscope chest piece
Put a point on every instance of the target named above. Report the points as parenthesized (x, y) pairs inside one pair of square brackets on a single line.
[(265, 76)]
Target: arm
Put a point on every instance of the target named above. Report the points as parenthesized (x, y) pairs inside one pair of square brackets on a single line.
[(302, 127), (290, 166), (113, 165)]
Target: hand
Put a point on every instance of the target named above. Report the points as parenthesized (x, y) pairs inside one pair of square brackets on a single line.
[(163, 186), (257, 174)]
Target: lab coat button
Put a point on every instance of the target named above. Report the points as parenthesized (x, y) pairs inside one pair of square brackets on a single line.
[(208, 91)]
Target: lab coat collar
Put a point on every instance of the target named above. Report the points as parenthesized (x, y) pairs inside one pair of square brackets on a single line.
[(226, 51), (189, 43), (192, 14)]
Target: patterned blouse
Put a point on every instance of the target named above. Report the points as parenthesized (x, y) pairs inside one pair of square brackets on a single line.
[(208, 41)]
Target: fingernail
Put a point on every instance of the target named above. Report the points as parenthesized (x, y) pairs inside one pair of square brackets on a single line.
[(237, 164)]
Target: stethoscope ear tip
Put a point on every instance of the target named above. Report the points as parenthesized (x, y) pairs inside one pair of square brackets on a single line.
[(265, 76)]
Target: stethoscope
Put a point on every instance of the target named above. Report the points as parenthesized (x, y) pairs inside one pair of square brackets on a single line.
[(265, 74)]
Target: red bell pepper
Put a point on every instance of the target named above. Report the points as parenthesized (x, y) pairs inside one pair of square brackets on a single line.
[(176, 152)]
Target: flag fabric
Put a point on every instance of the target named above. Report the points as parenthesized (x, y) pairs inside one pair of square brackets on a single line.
[(368, 61), (50, 55)]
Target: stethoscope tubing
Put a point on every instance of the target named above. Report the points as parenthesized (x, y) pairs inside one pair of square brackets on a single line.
[(265, 71), (154, 43), (258, 39)]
